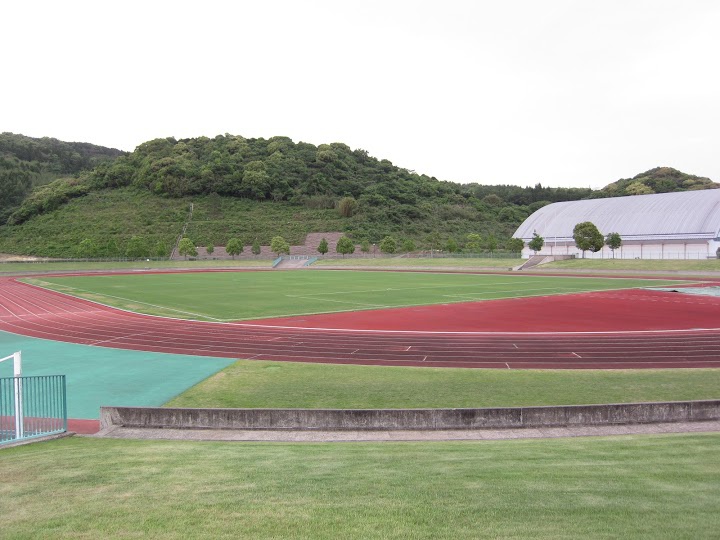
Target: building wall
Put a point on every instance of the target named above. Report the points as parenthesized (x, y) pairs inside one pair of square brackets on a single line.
[(690, 250)]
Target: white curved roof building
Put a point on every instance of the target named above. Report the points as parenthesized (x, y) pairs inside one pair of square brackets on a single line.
[(662, 226)]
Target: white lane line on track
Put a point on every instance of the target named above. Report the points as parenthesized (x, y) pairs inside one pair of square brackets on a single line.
[(124, 336), (472, 332), (576, 354)]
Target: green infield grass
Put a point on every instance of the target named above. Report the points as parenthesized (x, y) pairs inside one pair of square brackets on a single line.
[(659, 487), (262, 384), (226, 296)]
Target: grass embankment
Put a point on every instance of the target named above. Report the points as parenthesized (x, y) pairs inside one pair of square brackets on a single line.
[(630, 487), (228, 296), (402, 262), (107, 218), (11, 268), (112, 217), (612, 265), (637, 265), (261, 384)]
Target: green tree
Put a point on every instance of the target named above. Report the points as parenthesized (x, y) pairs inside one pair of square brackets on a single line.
[(161, 249), (434, 241), (137, 248), (255, 180), (256, 249), (347, 206), (234, 247), (638, 188), (388, 245), (365, 247), (451, 246), (587, 236), (279, 245), (536, 243), (613, 241), (323, 247), (210, 249), (15, 185), (186, 248), (345, 246), (491, 243), (408, 246), (473, 243), (88, 249), (492, 200), (516, 245)]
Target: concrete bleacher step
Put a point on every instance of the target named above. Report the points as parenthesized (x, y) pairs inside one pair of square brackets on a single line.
[(291, 263)]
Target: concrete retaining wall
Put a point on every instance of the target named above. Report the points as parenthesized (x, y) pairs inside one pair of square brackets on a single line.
[(410, 419)]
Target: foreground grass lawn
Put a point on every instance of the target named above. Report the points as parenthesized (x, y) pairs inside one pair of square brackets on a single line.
[(227, 296), (630, 487), (251, 383)]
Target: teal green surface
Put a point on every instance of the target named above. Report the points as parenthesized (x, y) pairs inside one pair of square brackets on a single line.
[(99, 376)]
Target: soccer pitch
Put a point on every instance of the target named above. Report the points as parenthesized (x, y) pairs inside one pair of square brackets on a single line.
[(232, 296)]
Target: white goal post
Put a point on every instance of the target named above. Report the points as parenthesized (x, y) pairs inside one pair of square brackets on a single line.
[(17, 374)]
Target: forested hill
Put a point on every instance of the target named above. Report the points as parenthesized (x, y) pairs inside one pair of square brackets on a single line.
[(27, 162), (657, 180), (277, 169)]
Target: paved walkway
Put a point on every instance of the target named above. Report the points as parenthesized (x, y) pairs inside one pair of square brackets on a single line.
[(375, 436)]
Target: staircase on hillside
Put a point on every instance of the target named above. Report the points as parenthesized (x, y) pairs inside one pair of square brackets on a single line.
[(312, 241)]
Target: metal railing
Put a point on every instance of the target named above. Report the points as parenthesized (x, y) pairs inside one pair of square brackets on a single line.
[(32, 407)]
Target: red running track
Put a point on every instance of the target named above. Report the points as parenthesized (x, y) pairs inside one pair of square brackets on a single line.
[(665, 330)]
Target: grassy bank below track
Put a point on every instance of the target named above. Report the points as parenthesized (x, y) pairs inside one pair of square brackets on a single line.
[(260, 384)]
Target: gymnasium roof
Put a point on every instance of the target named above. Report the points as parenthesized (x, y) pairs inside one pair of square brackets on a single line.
[(688, 215)]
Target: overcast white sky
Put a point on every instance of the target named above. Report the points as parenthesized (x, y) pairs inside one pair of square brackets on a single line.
[(567, 93)]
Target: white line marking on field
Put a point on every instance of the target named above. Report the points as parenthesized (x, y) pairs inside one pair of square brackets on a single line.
[(406, 350), (338, 301), (514, 345), (424, 358), (576, 354), (508, 365)]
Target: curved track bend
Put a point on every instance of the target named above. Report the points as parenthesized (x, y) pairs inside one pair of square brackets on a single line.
[(36, 312)]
